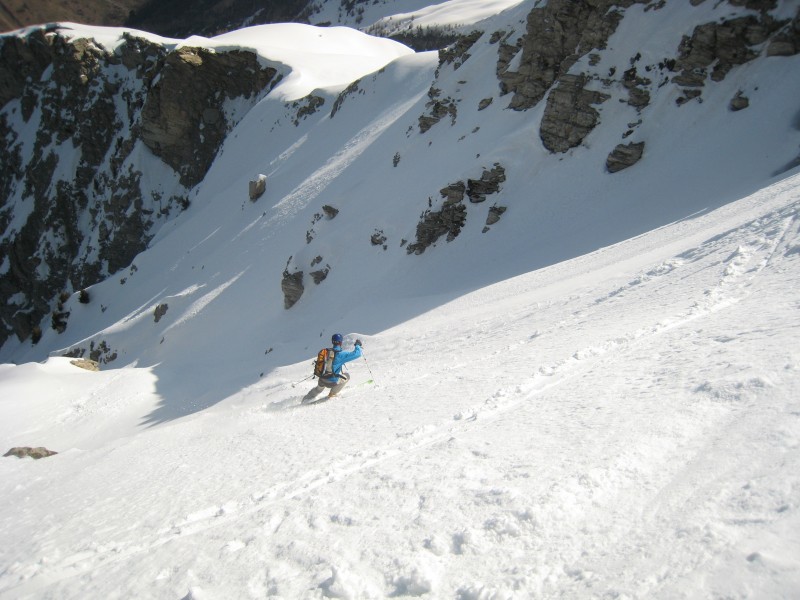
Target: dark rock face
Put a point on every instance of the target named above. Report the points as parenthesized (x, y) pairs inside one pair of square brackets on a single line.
[(495, 212), (489, 183), (320, 275), (724, 45), (458, 52), (182, 119), (449, 220), (102, 104), (557, 35), (438, 108), (739, 102), (30, 56), (306, 107), (624, 156), (718, 47), (638, 95), (257, 187), (75, 105), (787, 41), (453, 215), (569, 115), (453, 192), (160, 311), (292, 287)]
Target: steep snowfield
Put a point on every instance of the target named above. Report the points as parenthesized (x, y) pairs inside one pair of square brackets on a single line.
[(625, 423), (596, 397)]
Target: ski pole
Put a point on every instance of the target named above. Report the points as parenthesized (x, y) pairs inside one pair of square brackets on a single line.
[(302, 380), (368, 369)]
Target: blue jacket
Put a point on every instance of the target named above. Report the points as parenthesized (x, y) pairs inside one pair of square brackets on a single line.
[(341, 358)]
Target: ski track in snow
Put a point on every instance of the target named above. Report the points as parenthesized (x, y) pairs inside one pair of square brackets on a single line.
[(755, 247)]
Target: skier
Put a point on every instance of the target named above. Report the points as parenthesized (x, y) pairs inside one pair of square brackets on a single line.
[(338, 379)]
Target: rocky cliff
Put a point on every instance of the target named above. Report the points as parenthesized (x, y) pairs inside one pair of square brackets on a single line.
[(556, 63), (86, 196)]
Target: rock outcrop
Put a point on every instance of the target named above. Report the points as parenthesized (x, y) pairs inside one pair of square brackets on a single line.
[(489, 183), (569, 115), (25, 451), (257, 187), (292, 287), (787, 40), (556, 36), (715, 48), (105, 105), (434, 224), (624, 156), (438, 109), (183, 120), (452, 216), (160, 311), (495, 212)]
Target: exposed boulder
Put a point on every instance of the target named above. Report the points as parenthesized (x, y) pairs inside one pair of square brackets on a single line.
[(160, 311), (489, 183), (292, 287), (35, 453), (495, 212), (453, 192), (624, 156), (739, 102), (638, 94), (378, 238), (569, 115), (320, 275), (257, 187)]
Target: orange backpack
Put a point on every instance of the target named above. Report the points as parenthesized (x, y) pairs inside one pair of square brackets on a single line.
[(323, 366)]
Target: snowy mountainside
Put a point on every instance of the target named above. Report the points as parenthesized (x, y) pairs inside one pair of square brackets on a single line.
[(580, 380), (624, 423), (362, 149)]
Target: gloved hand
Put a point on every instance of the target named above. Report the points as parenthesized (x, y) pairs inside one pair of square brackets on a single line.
[(358, 343)]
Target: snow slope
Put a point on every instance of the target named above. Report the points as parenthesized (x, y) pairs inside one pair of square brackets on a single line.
[(624, 423), (596, 397)]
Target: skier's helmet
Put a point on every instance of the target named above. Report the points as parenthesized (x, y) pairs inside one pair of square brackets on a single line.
[(337, 338)]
